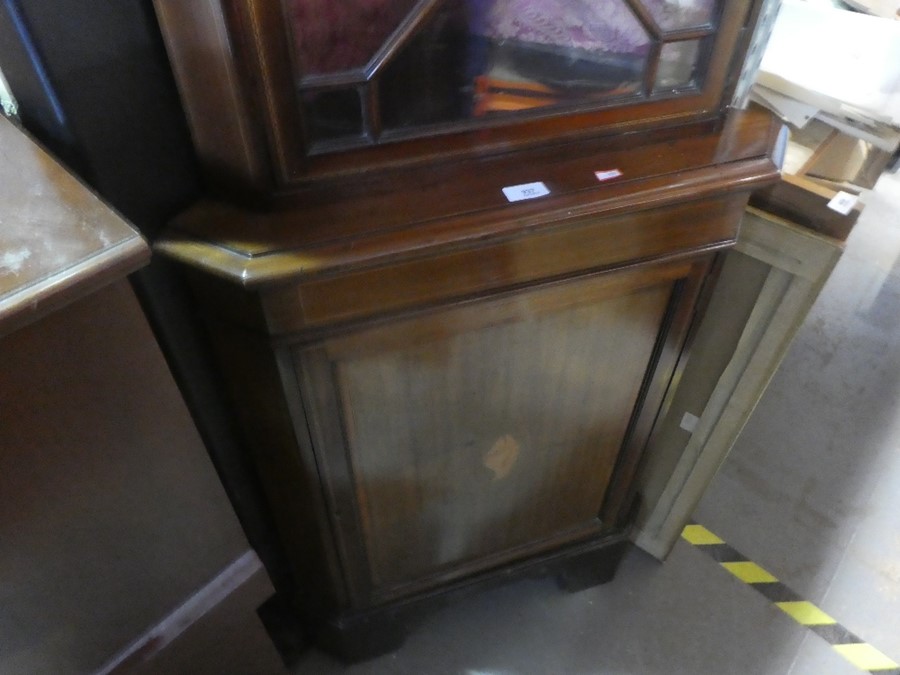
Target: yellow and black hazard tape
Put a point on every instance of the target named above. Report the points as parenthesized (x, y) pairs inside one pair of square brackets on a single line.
[(853, 648)]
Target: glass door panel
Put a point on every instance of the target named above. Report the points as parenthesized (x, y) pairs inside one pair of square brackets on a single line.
[(333, 36), (681, 14), (373, 70)]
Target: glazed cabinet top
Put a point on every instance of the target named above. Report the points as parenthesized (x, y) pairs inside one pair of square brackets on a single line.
[(283, 93)]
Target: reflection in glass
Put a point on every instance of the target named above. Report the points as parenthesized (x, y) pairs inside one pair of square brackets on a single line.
[(437, 62), (484, 57), (547, 52), (431, 80), (677, 65), (336, 35), (678, 14), (333, 114)]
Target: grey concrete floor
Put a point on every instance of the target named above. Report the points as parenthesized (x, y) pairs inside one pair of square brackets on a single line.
[(811, 492)]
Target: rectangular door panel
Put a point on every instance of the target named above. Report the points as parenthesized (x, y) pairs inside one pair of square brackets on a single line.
[(474, 431)]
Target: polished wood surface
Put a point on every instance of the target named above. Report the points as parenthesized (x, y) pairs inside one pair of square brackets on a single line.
[(461, 425), (382, 220), (679, 159), (263, 389), (216, 101), (460, 445), (583, 245), (58, 241)]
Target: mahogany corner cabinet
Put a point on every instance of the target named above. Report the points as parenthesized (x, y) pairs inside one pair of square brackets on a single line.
[(450, 258)]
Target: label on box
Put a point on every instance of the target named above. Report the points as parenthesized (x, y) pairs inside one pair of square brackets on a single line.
[(516, 193), (609, 174), (843, 202)]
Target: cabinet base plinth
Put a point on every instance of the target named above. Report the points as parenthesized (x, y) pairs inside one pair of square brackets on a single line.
[(592, 569), (358, 636)]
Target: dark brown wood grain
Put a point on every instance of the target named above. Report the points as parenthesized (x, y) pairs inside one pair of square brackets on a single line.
[(670, 345), (514, 419), (216, 100), (545, 254), (698, 159), (273, 422), (456, 427), (441, 388), (445, 210)]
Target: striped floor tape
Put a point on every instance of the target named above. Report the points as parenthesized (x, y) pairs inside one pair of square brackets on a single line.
[(855, 650)]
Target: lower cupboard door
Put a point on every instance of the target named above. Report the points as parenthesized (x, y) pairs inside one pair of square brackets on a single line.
[(465, 437)]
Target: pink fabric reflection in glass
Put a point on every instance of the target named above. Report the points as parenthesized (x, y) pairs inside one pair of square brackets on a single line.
[(337, 35), (580, 24)]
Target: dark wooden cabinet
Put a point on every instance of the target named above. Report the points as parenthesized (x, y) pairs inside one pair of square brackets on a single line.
[(443, 388)]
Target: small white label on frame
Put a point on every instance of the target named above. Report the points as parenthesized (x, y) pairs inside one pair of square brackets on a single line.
[(843, 202), (689, 422), (609, 174), (516, 193)]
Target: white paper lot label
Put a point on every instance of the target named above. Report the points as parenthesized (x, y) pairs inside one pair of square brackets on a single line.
[(607, 174), (843, 202), (517, 193)]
